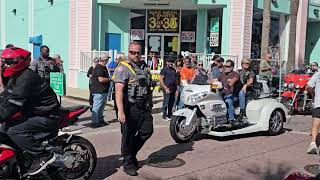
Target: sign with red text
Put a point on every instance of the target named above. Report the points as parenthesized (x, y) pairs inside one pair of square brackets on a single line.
[(188, 36)]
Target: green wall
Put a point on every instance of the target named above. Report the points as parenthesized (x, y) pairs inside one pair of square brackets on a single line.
[(225, 30), (202, 21), (313, 42), (281, 6), (201, 30), (115, 20), (53, 23), (16, 26), (311, 14)]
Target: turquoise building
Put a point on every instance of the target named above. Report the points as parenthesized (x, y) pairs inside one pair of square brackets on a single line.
[(79, 29)]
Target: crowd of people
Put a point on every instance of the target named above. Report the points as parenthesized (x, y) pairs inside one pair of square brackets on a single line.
[(127, 81)]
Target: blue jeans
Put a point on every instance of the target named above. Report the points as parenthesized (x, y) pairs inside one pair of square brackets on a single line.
[(168, 101), (110, 91), (99, 102), (229, 101), (242, 99)]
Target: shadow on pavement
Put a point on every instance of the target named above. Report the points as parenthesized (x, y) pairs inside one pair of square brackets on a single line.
[(272, 171), (235, 137), (107, 166), (156, 110), (170, 152)]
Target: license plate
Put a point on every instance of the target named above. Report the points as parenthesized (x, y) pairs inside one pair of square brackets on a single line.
[(220, 120)]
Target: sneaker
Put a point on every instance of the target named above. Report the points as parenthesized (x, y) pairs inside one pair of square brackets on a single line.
[(312, 149), (130, 170), (40, 164)]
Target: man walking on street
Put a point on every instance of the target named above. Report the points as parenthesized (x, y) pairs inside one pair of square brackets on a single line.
[(314, 82), (100, 83), (168, 82), (133, 97)]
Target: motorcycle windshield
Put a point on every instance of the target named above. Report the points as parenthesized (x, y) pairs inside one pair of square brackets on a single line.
[(200, 78)]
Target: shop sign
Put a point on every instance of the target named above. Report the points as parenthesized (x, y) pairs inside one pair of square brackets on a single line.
[(137, 34), (163, 21), (188, 36), (214, 39)]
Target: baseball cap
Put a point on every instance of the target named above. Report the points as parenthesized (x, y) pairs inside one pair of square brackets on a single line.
[(95, 59), (104, 56)]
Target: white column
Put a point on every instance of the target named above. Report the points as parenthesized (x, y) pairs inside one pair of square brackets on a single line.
[(301, 31)]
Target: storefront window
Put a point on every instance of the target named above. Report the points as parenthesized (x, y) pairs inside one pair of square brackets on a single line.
[(188, 30), (274, 38), (138, 22), (214, 31)]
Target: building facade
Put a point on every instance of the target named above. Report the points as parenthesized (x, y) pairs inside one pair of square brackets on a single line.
[(163, 27)]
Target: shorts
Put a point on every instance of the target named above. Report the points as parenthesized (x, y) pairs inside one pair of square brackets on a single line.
[(316, 112)]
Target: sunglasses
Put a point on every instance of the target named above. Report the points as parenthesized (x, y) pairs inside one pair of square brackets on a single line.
[(227, 66), (314, 65), (135, 52), (246, 63), (200, 64)]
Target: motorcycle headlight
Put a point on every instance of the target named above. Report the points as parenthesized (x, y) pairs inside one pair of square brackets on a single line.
[(297, 87), (285, 85), (196, 97), (291, 85)]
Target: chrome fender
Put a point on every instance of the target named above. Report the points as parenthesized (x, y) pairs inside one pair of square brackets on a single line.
[(191, 115)]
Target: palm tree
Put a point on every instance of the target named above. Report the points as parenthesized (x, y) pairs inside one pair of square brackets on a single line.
[(294, 5), (265, 27)]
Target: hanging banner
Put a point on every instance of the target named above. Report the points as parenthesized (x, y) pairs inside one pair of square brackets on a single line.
[(163, 21), (137, 34), (188, 36)]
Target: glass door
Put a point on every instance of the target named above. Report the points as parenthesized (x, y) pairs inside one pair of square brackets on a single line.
[(161, 46), (171, 46)]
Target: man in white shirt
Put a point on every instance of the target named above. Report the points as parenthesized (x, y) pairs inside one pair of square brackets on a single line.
[(314, 82)]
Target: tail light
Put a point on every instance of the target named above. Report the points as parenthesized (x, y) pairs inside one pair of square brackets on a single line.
[(6, 153)]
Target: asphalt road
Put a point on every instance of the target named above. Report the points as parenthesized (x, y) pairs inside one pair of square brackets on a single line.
[(254, 156)]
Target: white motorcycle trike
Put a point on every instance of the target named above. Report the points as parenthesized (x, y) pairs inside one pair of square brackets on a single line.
[(205, 112)]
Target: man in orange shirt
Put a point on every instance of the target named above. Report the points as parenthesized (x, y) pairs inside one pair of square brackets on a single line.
[(187, 73)]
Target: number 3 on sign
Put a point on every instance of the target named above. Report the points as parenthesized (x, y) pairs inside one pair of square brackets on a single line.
[(152, 23)]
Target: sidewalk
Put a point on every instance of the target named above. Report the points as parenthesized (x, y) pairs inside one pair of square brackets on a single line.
[(83, 95)]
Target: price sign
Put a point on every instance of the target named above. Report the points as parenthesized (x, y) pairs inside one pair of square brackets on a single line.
[(163, 21)]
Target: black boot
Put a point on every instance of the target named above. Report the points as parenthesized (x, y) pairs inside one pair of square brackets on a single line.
[(130, 170)]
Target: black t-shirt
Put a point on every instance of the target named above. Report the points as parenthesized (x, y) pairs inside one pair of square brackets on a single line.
[(96, 86), (169, 74)]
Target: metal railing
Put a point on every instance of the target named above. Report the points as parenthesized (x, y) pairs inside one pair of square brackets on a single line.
[(206, 58), (86, 59)]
